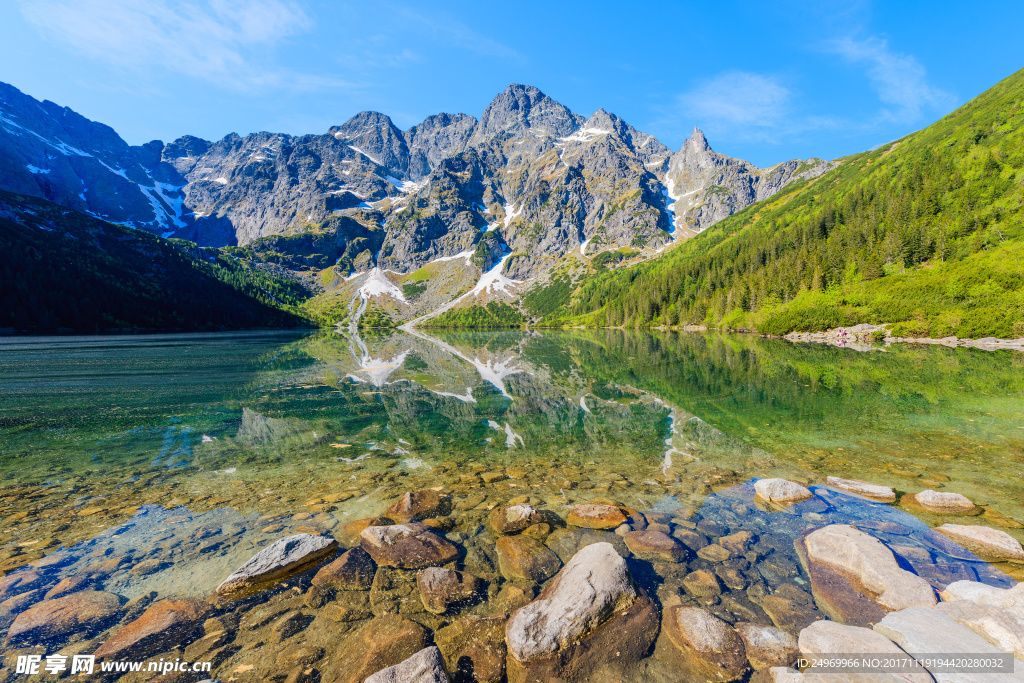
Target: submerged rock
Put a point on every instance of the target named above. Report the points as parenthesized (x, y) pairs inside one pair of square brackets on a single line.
[(526, 558), (441, 588), (474, 648), (875, 492), (701, 643), (511, 519), (352, 570), (595, 516), (655, 546), (944, 502), (406, 546), (281, 559), (381, 643), (425, 666), (985, 542), (767, 646), (56, 619), (869, 565), (591, 614), (781, 491), (161, 627), (417, 505)]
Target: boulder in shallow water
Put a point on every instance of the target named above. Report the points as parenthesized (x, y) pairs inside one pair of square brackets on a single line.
[(161, 627), (869, 565), (525, 558), (825, 639), (591, 614), (1004, 628), (441, 589), (875, 492), (282, 558), (985, 542), (655, 546), (767, 646), (382, 642), (781, 491), (406, 546), (983, 594), (595, 516), (923, 631), (511, 519), (702, 644), (56, 619), (425, 666), (417, 505), (944, 503), (353, 570)]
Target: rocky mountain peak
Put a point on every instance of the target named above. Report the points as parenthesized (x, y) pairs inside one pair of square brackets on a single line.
[(697, 141), (375, 136), (522, 107)]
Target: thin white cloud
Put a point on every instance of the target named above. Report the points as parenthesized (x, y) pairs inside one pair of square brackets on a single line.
[(899, 80), (453, 32), (738, 98), (217, 40)]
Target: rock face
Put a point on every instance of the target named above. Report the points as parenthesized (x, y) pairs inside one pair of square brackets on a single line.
[(417, 505), (383, 642), (985, 542), (781, 491), (423, 667), (552, 184), (406, 546), (441, 588), (702, 644), (161, 627), (353, 570), (279, 560), (52, 620), (590, 614), (767, 646), (869, 565), (875, 492), (944, 503), (655, 546), (595, 516), (525, 558)]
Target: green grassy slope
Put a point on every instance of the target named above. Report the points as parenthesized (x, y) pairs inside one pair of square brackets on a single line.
[(61, 270), (927, 233)]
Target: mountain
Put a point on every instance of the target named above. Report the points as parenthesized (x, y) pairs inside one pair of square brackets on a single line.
[(530, 191), (66, 271), (925, 234)]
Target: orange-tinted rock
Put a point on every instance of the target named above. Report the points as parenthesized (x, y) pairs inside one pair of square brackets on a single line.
[(69, 585), (418, 504), (350, 532), (596, 516), (474, 645), (701, 643), (353, 570), (655, 546), (57, 619), (19, 582), (511, 519), (161, 627), (522, 557), (383, 642)]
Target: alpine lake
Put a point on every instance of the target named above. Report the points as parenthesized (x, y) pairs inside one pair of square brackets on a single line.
[(152, 467)]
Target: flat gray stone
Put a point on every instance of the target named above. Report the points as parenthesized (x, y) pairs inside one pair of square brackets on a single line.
[(856, 554), (924, 631), (983, 594), (943, 502), (426, 666), (1004, 628), (281, 559), (781, 490), (875, 492), (590, 587)]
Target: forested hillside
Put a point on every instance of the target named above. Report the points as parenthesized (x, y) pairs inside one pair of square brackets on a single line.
[(61, 270), (926, 232)]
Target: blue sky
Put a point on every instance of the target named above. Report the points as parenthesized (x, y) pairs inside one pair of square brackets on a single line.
[(766, 81)]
